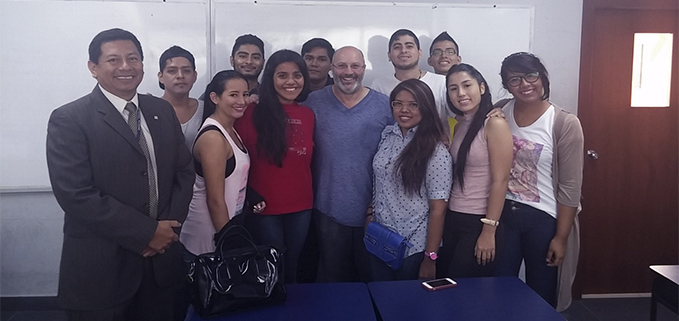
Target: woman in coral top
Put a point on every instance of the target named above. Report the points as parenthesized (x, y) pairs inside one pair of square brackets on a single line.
[(278, 133)]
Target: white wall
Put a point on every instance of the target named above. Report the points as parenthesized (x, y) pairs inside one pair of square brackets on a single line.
[(556, 41), (31, 222), (209, 35)]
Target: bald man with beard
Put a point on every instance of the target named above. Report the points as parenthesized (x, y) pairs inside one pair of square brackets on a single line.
[(349, 121)]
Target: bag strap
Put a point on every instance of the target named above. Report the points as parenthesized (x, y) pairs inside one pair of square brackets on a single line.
[(424, 218)]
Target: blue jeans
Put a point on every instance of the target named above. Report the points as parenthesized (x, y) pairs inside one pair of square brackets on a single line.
[(343, 257), (528, 232), (410, 270), (283, 231), (183, 297)]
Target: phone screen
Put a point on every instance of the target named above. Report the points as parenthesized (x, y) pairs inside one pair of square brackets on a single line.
[(437, 283)]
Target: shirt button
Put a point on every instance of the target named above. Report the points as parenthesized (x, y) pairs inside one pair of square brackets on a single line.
[(143, 173)]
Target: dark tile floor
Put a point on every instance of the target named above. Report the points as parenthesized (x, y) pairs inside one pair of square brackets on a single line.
[(627, 309), (624, 309)]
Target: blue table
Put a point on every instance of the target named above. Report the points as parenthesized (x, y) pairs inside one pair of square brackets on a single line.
[(316, 301), (499, 298)]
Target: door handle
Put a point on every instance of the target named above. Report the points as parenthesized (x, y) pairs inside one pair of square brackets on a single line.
[(592, 154)]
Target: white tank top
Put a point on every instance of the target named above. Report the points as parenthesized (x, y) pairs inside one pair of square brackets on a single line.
[(198, 231), (530, 178)]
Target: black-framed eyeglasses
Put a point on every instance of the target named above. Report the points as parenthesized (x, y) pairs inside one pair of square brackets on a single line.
[(529, 78), (354, 67), (440, 52), (397, 104)]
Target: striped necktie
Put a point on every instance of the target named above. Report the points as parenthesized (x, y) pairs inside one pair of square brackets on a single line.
[(133, 119)]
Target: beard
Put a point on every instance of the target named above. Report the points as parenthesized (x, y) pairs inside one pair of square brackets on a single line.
[(406, 67), (358, 83)]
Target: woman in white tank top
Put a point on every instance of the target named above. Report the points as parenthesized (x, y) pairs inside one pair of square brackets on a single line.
[(545, 180), (221, 163)]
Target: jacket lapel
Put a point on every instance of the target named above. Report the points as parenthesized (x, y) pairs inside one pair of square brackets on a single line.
[(113, 118), (152, 121)]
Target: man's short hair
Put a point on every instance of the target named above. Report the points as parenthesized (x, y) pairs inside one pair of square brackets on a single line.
[(176, 51), (108, 36), (318, 43), (443, 36), (247, 39), (403, 32), (173, 52)]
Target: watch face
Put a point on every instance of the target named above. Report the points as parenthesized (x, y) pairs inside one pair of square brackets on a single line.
[(432, 256)]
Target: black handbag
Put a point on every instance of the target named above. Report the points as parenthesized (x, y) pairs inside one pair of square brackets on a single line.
[(238, 275)]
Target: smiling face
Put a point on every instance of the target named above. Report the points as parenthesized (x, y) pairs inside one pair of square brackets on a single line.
[(442, 57), (288, 82), (404, 53), (248, 60), (465, 92), (178, 76), (119, 69), (348, 67), (406, 111), (234, 100), (318, 62), (525, 91)]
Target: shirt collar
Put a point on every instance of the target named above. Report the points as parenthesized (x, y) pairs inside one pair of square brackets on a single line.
[(396, 130), (118, 102)]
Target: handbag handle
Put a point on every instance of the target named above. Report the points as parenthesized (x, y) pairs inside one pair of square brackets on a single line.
[(233, 231)]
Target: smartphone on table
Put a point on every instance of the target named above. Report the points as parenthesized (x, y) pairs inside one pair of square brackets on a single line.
[(439, 284)]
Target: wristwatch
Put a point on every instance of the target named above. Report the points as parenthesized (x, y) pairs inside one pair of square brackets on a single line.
[(431, 255)]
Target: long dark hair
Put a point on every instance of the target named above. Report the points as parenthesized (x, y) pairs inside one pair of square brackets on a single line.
[(269, 118), (525, 62), (217, 85), (477, 122), (413, 161)]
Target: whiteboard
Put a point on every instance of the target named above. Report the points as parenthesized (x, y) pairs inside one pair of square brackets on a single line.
[(485, 33), (44, 53), (43, 49)]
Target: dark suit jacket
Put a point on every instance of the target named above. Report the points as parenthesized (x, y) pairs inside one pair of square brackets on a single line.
[(98, 175)]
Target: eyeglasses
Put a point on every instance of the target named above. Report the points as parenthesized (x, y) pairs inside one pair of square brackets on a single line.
[(529, 78), (397, 104), (439, 52), (354, 67)]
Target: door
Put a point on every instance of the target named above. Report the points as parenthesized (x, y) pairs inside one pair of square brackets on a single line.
[(630, 190)]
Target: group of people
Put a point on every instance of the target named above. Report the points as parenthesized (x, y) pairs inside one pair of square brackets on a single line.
[(305, 161)]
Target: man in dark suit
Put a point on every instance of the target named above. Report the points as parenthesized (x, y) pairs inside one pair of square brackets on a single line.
[(124, 178)]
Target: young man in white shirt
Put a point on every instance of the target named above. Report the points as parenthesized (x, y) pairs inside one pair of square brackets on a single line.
[(176, 77), (404, 53)]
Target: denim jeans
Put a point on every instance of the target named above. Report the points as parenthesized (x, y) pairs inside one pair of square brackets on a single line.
[(283, 231), (343, 257), (528, 233), (183, 297), (410, 270), (307, 267)]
